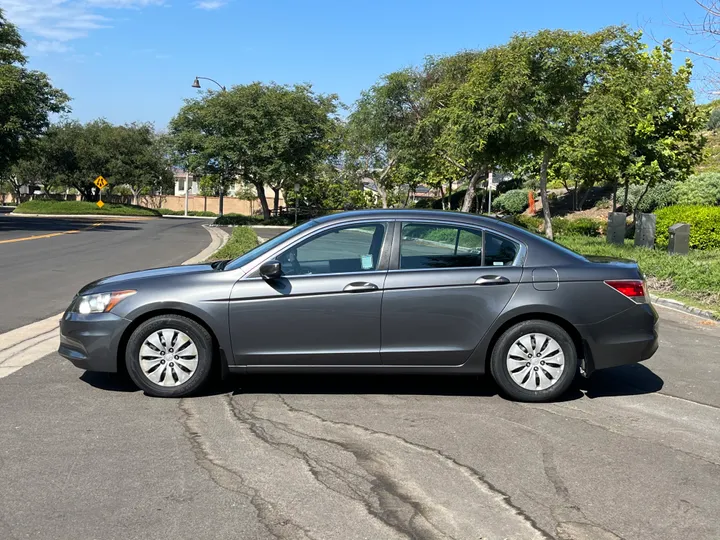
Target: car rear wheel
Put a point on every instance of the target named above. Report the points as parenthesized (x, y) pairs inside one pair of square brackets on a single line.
[(534, 361), (169, 356)]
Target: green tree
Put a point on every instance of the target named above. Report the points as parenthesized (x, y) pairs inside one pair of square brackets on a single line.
[(27, 99), (381, 138), (265, 135)]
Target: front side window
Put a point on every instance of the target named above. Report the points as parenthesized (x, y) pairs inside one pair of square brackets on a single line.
[(439, 246), (353, 248)]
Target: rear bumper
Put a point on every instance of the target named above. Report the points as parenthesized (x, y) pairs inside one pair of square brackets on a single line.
[(91, 341), (626, 338)]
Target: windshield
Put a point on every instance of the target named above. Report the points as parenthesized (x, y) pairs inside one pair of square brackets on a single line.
[(263, 248)]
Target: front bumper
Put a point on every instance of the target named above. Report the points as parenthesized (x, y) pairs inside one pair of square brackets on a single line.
[(626, 338), (91, 341)]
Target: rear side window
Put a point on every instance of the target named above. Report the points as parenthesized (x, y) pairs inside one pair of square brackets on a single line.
[(499, 251), (439, 246)]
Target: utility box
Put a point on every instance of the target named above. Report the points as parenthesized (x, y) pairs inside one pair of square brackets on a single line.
[(679, 239), (616, 228), (645, 231)]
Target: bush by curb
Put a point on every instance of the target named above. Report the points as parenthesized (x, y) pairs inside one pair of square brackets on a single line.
[(242, 240), (40, 206)]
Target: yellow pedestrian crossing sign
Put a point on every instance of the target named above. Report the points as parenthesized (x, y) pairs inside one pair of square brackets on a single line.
[(100, 182), (100, 204)]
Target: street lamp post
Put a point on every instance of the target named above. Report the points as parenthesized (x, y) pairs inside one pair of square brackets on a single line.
[(196, 83)]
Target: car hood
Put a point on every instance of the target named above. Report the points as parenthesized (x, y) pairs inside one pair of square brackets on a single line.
[(127, 280)]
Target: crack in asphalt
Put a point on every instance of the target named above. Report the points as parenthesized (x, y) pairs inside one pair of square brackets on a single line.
[(473, 473), (223, 476), (385, 489), (409, 490)]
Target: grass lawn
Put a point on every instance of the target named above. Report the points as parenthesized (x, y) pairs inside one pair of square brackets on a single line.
[(242, 240), (693, 279), (82, 207)]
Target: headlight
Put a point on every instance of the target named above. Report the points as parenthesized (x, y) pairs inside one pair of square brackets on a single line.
[(99, 303)]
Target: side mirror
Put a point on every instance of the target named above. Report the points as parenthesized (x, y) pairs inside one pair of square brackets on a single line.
[(271, 269)]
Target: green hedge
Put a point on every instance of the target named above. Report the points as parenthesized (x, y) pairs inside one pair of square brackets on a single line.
[(704, 224), (48, 206), (565, 226), (242, 219), (242, 240)]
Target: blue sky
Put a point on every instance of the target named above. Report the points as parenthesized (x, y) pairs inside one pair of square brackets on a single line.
[(134, 60)]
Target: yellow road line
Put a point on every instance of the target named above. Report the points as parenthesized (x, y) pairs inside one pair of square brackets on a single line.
[(50, 235)]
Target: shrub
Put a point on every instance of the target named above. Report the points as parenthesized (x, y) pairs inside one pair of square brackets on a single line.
[(514, 201), (658, 196), (242, 240), (532, 223), (704, 224), (49, 206), (564, 226), (699, 189)]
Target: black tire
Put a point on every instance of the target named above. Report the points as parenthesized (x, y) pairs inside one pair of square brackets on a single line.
[(197, 333), (501, 373)]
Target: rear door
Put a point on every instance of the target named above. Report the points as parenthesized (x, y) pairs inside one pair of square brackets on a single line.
[(446, 285)]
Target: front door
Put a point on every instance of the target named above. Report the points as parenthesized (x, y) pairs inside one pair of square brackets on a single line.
[(324, 310), (446, 286)]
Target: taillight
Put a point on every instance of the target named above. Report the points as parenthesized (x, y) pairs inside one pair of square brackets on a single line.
[(634, 289)]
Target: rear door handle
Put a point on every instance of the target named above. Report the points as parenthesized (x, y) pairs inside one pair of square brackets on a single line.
[(360, 286), (492, 280)]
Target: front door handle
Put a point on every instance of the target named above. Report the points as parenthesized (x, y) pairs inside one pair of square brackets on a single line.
[(492, 280), (360, 286)]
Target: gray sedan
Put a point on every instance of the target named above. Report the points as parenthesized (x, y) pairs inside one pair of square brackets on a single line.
[(396, 291)]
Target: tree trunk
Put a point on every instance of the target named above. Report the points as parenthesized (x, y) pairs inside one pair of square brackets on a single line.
[(583, 199), (614, 197), (627, 190), (470, 193), (575, 196), (442, 197), (263, 200), (636, 210), (383, 195), (135, 196), (450, 192), (544, 195), (220, 202), (276, 200)]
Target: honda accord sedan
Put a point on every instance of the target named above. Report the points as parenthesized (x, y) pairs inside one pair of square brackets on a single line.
[(385, 291)]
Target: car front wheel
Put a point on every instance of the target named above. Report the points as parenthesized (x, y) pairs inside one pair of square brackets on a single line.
[(169, 356), (534, 361)]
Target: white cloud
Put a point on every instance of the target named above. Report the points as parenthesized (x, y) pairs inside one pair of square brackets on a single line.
[(59, 21), (210, 4), (48, 46)]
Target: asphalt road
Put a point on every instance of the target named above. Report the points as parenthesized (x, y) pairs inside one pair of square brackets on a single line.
[(41, 275), (633, 453)]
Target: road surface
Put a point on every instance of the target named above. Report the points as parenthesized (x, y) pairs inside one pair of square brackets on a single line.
[(43, 263), (633, 453)]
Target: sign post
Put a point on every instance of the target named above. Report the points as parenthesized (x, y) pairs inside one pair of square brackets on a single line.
[(297, 195), (101, 184)]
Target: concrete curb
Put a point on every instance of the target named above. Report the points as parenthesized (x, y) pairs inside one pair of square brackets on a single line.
[(285, 227), (219, 239), (679, 306), (188, 217)]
